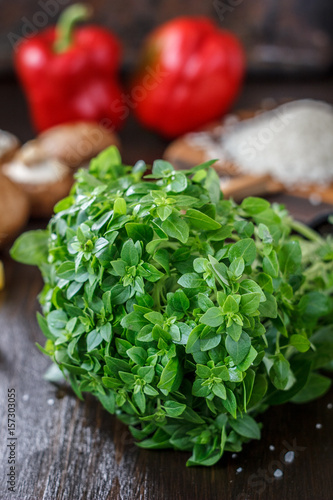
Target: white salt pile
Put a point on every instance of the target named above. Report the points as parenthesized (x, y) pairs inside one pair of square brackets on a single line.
[(293, 143)]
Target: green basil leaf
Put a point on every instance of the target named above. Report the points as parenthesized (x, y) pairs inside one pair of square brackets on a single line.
[(31, 247), (252, 205), (219, 390), (178, 183), (201, 221), (139, 232), (248, 360), (245, 249), (162, 168), (94, 338), (301, 343), (176, 227), (133, 321), (246, 426), (290, 257), (270, 264), (316, 386), (213, 317), (119, 207), (238, 350), (129, 253), (250, 303), (279, 372), (170, 376), (174, 409), (268, 309), (163, 212), (230, 305), (230, 403), (137, 354), (191, 280), (220, 271), (237, 267)]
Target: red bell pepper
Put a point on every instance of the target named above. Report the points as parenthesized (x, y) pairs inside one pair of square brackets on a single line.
[(71, 75), (200, 70)]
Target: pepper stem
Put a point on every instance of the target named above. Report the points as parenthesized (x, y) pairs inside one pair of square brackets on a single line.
[(68, 19)]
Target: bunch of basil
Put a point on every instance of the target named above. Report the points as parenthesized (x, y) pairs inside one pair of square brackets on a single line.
[(183, 313)]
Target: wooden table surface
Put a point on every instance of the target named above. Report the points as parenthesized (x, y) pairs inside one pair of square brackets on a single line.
[(67, 449)]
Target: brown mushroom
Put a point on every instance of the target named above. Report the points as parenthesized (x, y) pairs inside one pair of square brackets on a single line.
[(44, 167), (2, 276), (76, 143), (45, 181), (14, 210), (8, 145)]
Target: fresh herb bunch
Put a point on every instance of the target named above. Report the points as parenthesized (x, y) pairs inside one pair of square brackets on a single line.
[(185, 314)]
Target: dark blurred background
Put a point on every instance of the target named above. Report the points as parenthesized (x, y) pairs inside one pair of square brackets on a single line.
[(281, 36)]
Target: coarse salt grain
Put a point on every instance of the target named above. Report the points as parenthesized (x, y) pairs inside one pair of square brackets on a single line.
[(25, 397), (318, 426), (239, 470), (315, 199), (271, 447), (234, 455), (289, 457), (293, 143), (50, 402), (278, 473), (330, 406)]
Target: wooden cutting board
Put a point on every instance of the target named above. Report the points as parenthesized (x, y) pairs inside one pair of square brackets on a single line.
[(183, 154)]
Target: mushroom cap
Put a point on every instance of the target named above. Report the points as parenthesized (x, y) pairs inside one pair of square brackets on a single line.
[(76, 143), (9, 143), (14, 210), (43, 168), (45, 182)]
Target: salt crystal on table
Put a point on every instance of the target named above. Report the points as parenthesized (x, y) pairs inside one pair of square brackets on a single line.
[(289, 457), (239, 470), (25, 397), (330, 406), (318, 426), (278, 473), (272, 448), (234, 455), (315, 199), (50, 402)]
